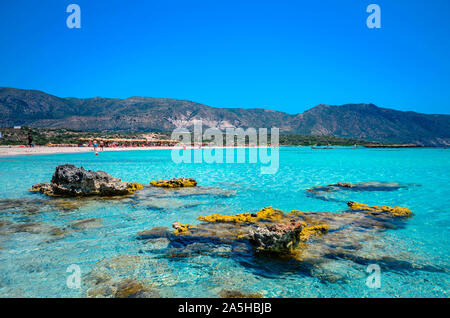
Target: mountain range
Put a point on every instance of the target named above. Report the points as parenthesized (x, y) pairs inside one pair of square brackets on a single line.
[(361, 121)]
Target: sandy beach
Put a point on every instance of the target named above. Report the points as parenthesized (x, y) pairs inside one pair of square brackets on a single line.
[(6, 151)]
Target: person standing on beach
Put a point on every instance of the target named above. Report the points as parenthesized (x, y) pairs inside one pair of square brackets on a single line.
[(95, 145), (101, 145), (30, 140)]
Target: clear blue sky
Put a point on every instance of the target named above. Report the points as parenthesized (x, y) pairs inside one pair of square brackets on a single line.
[(283, 55)]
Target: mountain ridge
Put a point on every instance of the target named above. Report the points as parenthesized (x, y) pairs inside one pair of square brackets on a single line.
[(362, 121)]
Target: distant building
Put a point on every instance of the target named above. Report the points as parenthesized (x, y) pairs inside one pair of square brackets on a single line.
[(17, 127)]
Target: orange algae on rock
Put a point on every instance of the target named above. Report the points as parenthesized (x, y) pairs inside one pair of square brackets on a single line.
[(43, 188), (175, 183), (181, 228), (391, 210), (307, 232), (134, 186), (268, 213)]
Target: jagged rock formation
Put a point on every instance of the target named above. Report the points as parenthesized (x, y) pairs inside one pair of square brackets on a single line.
[(278, 237), (68, 180)]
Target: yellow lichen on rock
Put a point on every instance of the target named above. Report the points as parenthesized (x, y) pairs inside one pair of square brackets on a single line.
[(396, 210), (267, 213), (181, 228), (175, 183), (307, 232), (135, 186), (392, 210), (44, 188)]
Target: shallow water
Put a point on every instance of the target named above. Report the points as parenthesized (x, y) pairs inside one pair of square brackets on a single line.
[(414, 258)]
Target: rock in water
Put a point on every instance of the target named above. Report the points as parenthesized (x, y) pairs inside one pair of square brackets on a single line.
[(181, 228), (390, 211), (68, 180), (361, 186), (175, 183), (278, 237), (267, 214)]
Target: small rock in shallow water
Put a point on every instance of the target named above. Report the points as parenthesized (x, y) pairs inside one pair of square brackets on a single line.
[(175, 183), (181, 228), (280, 238), (380, 210)]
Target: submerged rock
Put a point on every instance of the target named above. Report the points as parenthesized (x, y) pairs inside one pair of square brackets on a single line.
[(304, 242), (225, 293), (131, 288), (84, 224), (380, 210), (33, 228), (268, 230), (68, 180), (43, 187), (127, 288), (123, 277), (361, 186), (26, 206), (267, 213), (175, 183), (332, 192), (156, 232), (279, 238)]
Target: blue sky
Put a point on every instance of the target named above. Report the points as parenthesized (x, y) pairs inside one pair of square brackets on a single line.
[(283, 55)]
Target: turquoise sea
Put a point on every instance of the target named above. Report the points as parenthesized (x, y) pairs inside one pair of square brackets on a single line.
[(39, 241)]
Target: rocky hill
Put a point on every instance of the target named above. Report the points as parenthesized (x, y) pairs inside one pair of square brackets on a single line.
[(362, 121)]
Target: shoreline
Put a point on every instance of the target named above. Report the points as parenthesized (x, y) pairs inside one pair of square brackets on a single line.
[(12, 151)]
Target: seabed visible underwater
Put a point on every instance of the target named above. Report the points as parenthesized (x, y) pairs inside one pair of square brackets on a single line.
[(40, 237)]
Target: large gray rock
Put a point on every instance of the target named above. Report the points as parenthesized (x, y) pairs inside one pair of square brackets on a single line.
[(68, 180), (279, 237)]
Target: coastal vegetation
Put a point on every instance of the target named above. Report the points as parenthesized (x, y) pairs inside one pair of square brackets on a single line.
[(42, 137)]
